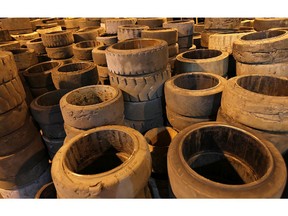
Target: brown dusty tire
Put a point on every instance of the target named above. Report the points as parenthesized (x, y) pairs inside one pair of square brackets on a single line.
[(191, 177), (171, 63), (111, 25), (126, 178), (5, 35), (158, 140), (57, 38), (141, 88), (222, 23), (12, 94), (249, 100), (16, 23), (277, 69), (53, 131), (170, 35), (199, 27), (24, 166), (52, 145), (36, 92), (47, 191), (180, 122), (29, 190), (224, 41), (88, 33), (25, 37), (24, 58), (63, 52), (207, 33), (185, 27), (98, 55), (144, 110), (103, 72), (9, 45), (45, 30), (13, 119), (83, 50), (173, 50), (107, 39), (264, 47), (89, 22), (261, 24), (125, 32), (39, 75), (194, 94), (92, 106), (75, 75), (143, 57), (202, 60), (37, 45), (18, 139), (185, 41), (71, 23), (151, 22), (144, 126)]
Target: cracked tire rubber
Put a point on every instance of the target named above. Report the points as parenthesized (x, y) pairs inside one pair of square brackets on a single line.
[(92, 106), (75, 75), (83, 50), (98, 55), (261, 24), (141, 88), (194, 94), (107, 39), (265, 47), (8, 67), (125, 32), (111, 25), (267, 180), (222, 23), (87, 33), (143, 57), (184, 27), (63, 52), (145, 125), (57, 38), (125, 181), (24, 58), (170, 35), (37, 45), (249, 100)]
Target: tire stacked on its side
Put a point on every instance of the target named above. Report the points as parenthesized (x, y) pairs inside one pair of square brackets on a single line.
[(140, 72), (45, 110), (99, 59), (263, 52), (151, 22), (111, 25), (193, 97), (91, 106), (47, 28), (125, 32), (89, 22), (262, 24), (107, 39), (37, 45), (185, 29), (83, 50), (7, 42), (87, 33), (23, 157), (24, 38), (17, 25), (72, 24), (170, 35)]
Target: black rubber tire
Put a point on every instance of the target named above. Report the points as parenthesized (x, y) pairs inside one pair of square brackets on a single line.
[(87, 33), (57, 38), (145, 56), (107, 39), (24, 58), (83, 50), (8, 67), (47, 191), (133, 170), (84, 73), (170, 35), (185, 27), (125, 32), (63, 52), (144, 126), (52, 145), (111, 25)]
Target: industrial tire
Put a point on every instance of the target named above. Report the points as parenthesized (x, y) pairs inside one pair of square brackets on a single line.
[(125, 32), (111, 25), (18, 139), (144, 110), (13, 119), (265, 47), (36, 92), (24, 166), (202, 60), (249, 100), (52, 145), (187, 183), (145, 56), (24, 58), (170, 35), (8, 67), (222, 23), (98, 55), (87, 33), (277, 69), (173, 50), (125, 181), (47, 191), (25, 37), (37, 45), (103, 72), (57, 38), (39, 75), (261, 24), (145, 125), (45, 30), (92, 106), (83, 50), (71, 23), (5, 35), (75, 75), (12, 94), (89, 22), (151, 22), (185, 41), (194, 94), (63, 52), (180, 122), (107, 39), (9, 45), (141, 88), (185, 27)]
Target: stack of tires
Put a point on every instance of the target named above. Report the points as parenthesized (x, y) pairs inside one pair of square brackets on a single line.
[(87, 33), (125, 32), (91, 106), (45, 110), (38, 47), (262, 24), (24, 165), (7, 42), (139, 68), (24, 38), (58, 44), (107, 39), (263, 52), (170, 35), (99, 59), (72, 24), (83, 50), (44, 28), (111, 25), (185, 29), (193, 97)]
